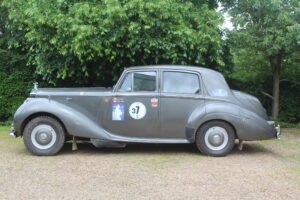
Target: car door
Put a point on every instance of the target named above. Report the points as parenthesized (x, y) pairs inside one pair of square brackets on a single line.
[(134, 110), (181, 94)]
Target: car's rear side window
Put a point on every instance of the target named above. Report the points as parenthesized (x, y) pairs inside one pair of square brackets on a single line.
[(180, 82), (142, 81)]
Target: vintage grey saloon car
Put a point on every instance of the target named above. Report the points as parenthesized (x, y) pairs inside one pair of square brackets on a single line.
[(149, 104)]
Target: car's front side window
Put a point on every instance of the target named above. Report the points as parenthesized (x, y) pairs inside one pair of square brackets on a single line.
[(142, 81), (180, 82), (127, 83)]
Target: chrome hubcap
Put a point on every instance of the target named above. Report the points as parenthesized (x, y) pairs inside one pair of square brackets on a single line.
[(216, 138), (43, 136)]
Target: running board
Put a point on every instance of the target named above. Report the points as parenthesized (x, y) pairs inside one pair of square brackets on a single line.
[(148, 140)]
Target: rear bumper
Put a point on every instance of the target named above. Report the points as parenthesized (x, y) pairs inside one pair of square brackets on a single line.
[(276, 128), (12, 132)]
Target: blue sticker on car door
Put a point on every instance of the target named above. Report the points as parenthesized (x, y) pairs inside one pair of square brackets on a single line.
[(118, 111)]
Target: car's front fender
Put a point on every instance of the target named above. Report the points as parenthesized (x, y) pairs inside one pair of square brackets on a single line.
[(76, 123)]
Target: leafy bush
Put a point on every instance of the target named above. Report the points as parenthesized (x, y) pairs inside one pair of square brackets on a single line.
[(15, 77), (14, 88)]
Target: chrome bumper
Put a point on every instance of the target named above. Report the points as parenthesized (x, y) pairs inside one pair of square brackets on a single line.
[(276, 127), (12, 132)]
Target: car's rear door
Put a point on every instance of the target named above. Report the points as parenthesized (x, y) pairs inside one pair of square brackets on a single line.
[(181, 94), (134, 110)]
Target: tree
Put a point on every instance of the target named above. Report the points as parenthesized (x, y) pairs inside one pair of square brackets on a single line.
[(90, 42), (15, 77), (268, 29)]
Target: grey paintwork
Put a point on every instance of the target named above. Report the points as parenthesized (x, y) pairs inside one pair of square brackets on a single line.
[(87, 112)]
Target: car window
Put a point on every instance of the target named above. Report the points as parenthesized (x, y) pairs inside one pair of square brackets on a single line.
[(144, 81), (180, 82), (127, 83)]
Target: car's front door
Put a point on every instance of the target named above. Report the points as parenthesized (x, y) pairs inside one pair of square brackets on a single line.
[(180, 96), (134, 110)]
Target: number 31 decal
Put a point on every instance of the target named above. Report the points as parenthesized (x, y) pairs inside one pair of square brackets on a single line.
[(137, 110)]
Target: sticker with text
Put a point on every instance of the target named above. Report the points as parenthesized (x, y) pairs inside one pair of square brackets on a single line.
[(154, 105), (118, 100), (137, 110), (154, 102)]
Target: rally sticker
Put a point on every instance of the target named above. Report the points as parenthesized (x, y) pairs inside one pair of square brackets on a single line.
[(137, 110), (154, 102), (118, 100), (117, 111)]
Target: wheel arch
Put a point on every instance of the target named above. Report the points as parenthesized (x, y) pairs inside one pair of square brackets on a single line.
[(220, 120), (38, 114)]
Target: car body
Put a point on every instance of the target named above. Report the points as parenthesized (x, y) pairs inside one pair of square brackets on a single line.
[(149, 104)]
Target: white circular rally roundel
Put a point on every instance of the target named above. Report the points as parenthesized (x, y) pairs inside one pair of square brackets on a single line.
[(137, 110)]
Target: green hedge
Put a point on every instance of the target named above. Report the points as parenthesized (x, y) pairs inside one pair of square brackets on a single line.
[(14, 88)]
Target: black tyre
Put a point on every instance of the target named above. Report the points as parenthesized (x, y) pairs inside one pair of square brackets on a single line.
[(215, 138), (44, 136)]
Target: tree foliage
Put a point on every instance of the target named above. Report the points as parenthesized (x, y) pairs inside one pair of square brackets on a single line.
[(269, 30), (90, 42)]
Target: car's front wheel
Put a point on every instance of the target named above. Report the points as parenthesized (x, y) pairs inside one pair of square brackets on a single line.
[(44, 136), (215, 138)]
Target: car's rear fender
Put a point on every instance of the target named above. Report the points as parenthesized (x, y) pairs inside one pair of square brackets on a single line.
[(76, 123), (247, 125)]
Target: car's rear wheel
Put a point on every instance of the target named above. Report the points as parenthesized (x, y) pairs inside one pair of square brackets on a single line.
[(215, 138), (44, 136)]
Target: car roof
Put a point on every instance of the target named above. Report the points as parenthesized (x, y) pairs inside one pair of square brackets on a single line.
[(176, 67)]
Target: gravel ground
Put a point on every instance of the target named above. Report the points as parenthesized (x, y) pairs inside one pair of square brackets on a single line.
[(263, 170)]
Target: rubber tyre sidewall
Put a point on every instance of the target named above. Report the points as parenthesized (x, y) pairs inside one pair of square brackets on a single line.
[(60, 139), (200, 142)]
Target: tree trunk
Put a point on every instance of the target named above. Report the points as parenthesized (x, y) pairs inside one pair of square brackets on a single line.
[(275, 100), (276, 67)]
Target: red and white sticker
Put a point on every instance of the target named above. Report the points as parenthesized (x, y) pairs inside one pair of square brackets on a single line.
[(118, 100), (154, 105), (154, 100)]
